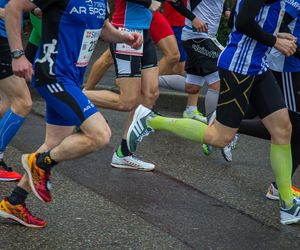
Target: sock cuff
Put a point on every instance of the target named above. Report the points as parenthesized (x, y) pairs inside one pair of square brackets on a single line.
[(15, 115), (20, 190)]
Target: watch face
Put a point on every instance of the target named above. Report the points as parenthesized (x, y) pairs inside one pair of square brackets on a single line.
[(17, 53)]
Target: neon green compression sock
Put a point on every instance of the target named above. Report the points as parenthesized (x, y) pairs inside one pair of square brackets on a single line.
[(186, 128), (281, 161)]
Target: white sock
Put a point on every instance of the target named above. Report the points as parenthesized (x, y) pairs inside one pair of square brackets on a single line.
[(190, 109)]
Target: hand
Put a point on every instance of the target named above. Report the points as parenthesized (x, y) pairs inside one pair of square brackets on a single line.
[(37, 12), (22, 68), (135, 40), (155, 5), (286, 46), (227, 14), (199, 25), (288, 36)]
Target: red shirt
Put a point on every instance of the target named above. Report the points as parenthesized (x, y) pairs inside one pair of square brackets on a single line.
[(173, 17)]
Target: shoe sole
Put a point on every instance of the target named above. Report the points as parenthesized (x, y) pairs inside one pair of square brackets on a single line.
[(136, 114), (131, 167), (272, 197), (291, 221), (16, 219), (26, 167), (8, 180)]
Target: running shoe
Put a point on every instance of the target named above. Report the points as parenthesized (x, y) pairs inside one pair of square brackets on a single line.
[(20, 214), (227, 150), (7, 174), (39, 179), (139, 128), (273, 193), (131, 162), (291, 215), (196, 115)]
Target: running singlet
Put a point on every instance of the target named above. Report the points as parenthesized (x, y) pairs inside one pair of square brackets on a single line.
[(278, 61), (174, 18), (2, 24), (243, 54), (209, 12), (71, 29), (131, 15)]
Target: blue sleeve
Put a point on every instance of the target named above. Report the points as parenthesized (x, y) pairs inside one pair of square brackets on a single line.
[(293, 9)]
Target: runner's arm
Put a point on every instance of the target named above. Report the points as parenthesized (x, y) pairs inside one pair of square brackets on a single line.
[(179, 6), (110, 34), (245, 22)]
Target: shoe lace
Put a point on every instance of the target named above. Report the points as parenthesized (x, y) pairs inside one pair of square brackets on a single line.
[(4, 166)]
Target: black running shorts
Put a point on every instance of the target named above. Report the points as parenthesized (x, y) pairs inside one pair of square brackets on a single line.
[(202, 56), (5, 59), (238, 91), (131, 65)]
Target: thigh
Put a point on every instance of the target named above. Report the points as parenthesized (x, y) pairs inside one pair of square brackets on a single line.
[(234, 97), (266, 96), (159, 28), (168, 45), (66, 104), (14, 87)]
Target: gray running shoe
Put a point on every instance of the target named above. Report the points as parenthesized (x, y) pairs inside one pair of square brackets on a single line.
[(139, 128), (227, 150), (196, 115)]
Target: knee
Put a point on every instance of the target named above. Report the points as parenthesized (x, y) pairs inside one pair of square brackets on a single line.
[(192, 89), (151, 96), (173, 58), (22, 106), (283, 130)]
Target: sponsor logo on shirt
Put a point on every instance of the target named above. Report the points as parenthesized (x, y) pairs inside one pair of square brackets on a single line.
[(90, 8)]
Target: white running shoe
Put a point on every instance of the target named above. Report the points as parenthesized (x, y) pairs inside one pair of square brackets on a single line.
[(196, 115), (292, 215), (272, 193), (131, 162), (227, 150)]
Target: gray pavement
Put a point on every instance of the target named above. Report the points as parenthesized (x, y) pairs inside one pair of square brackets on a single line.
[(189, 202)]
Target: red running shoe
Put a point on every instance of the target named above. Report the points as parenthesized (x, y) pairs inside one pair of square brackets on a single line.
[(6, 173), (39, 179), (20, 214)]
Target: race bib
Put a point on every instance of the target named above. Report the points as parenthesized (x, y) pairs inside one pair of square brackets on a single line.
[(125, 49), (89, 42)]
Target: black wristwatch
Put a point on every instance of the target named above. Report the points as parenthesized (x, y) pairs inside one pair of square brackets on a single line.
[(17, 53)]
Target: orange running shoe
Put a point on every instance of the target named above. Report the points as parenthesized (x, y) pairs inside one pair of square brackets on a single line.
[(20, 214), (6, 173), (39, 179)]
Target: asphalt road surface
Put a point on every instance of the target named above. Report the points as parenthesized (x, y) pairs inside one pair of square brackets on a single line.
[(189, 202)]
